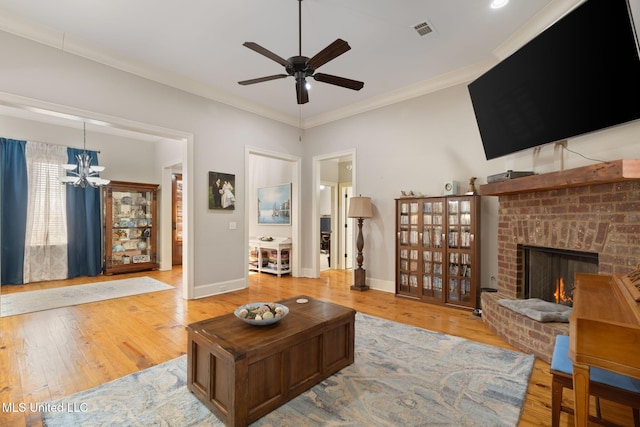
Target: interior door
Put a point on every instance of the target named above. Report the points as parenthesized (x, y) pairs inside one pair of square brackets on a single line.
[(346, 244), (328, 235), (176, 218)]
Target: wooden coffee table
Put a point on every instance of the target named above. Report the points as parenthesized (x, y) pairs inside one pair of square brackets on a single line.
[(242, 372)]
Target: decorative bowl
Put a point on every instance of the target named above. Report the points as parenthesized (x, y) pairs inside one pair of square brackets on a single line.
[(255, 306)]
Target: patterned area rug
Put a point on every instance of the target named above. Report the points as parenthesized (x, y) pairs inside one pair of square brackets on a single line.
[(47, 299), (402, 376)]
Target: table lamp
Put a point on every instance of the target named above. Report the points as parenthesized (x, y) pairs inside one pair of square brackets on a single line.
[(360, 208)]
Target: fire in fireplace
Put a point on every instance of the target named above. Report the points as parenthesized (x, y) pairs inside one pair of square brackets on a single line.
[(549, 272), (560, 295)]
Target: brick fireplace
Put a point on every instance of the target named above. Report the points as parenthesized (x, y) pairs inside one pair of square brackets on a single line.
[(593, 209)]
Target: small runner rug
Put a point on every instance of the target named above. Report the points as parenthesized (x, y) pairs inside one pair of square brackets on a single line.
[(47, 299), (402, 376)]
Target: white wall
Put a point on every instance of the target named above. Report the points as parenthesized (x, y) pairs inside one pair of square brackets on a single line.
[(266, 172), (324, 203), (421, 143), (329, 171), (124, 159), (414, 145), (220, 134)]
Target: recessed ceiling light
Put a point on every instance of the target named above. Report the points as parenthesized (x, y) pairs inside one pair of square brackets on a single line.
[(497, 4)]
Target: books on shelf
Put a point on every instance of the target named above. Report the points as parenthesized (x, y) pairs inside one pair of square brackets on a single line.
[(254, 257), (274, 257)]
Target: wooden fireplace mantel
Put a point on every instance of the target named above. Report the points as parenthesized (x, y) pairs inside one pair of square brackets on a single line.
[(601, 173)]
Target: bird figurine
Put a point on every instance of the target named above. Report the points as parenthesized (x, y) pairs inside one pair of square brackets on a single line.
[(472, 185)]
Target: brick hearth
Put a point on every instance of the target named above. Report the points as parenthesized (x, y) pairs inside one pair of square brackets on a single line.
[(594, 209), (520, 331)]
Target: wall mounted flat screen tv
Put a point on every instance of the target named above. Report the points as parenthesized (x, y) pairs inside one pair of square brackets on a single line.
[(580, 75)]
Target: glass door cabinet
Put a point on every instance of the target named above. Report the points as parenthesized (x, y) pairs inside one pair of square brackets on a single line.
[(437, 249), (130, 227)]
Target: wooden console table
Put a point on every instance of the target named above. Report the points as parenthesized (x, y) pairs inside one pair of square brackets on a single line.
[(242, 372)]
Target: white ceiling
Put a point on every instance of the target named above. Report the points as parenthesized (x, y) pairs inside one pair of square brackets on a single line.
[(196, 45)]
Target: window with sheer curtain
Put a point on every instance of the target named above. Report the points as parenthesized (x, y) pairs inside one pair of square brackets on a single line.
[(46, 234)]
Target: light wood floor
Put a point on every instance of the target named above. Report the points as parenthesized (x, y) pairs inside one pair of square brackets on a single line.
[(51, 354)]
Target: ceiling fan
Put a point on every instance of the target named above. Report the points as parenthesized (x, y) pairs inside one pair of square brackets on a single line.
[(302, 67)]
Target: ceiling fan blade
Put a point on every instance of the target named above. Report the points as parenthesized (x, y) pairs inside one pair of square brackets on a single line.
[(301, 91), (338, 81), (330, 52), (263, 51), (263, 79)]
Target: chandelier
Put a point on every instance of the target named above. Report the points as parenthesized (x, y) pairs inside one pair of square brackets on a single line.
[(83, 174)]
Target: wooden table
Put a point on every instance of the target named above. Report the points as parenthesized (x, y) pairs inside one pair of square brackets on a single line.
[(241, 372)]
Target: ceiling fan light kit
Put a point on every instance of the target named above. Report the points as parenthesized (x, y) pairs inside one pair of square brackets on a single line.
[(301, 67)]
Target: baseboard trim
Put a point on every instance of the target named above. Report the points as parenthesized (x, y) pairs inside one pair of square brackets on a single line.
[(208, 290), (382, 285)]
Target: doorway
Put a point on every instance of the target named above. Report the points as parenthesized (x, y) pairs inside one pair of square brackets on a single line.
[(265, 168), (333, 180), (329, 226), (346, 245), (176, 219), (179, 142)]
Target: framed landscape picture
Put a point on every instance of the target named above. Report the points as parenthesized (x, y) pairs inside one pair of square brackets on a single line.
[(274, 205), (222, 193)]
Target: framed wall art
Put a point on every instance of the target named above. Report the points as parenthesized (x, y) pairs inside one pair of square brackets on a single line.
[(274, 205), (222, 191)]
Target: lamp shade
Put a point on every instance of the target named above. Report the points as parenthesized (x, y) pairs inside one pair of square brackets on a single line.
[(360, 207)]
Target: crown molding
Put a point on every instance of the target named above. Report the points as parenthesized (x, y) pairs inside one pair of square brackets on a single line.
[(460, 76), (21, 27), (74, 117), (27, 29), (551, 13), (138, 68)]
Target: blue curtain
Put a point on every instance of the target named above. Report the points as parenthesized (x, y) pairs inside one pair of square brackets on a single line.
[(84, 227), (13, 207)]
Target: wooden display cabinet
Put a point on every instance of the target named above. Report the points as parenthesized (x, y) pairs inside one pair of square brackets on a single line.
[(130, 227), (438, 249)]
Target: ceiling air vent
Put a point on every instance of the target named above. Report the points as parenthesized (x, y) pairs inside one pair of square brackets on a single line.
[(423, 28)]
